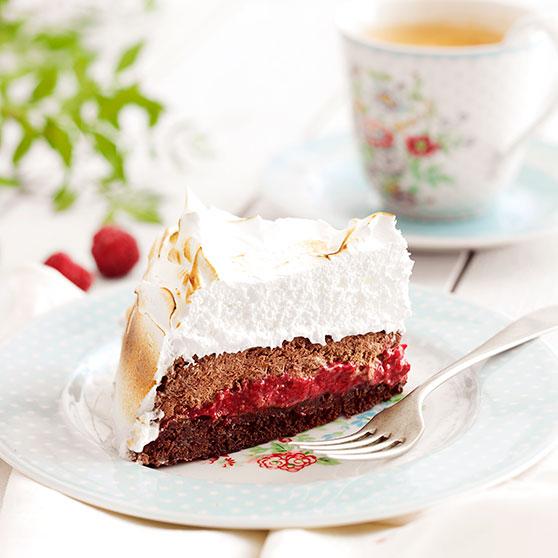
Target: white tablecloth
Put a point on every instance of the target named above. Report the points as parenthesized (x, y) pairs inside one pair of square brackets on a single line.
[(516, 519)]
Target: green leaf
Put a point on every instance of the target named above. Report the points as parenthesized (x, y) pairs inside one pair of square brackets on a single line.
[(109, 109), (368, 152), (80, 68), (435, 176), (278, 448), (110, 106), (65, 40), (142, 205), (23, 146), (396, 398), (74, 112), (379, 76), (48, 78), (133, 95), (257, 450), (414, 167), (59, 140), (4, 82), (19, 115), (72, 108), (63, 198), (327, 461), (9, 30), (9, 182), (110, 217), (416, 92), (143, 213), (129, 57), (153, 109), (109, 150)]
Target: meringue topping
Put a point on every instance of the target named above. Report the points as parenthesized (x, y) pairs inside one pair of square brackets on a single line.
[(219, 283)]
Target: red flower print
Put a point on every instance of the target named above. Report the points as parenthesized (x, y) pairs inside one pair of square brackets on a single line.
[(377, 135), (284, 440), (421, 146), (223, 460), (289, 461)]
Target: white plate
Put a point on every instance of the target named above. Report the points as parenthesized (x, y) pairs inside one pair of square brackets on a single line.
[(482, 427), (324, 179)]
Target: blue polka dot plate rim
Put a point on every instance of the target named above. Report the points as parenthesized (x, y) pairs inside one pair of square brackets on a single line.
[(484, 426), (323, 178)]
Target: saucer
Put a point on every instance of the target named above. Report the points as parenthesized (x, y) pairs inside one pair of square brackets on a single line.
[(324, 179)]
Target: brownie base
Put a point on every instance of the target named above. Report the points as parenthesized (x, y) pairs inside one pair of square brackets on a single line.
[(182, 440)]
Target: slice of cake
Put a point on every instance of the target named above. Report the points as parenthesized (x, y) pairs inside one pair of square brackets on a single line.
[(246, 330)]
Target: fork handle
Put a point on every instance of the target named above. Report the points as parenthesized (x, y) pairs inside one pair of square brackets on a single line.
[(525, 329)]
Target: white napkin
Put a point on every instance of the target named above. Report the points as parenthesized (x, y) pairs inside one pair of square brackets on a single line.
[(516, 519), (28, 291)]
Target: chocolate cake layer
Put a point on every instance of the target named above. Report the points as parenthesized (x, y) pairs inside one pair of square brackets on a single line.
[(193, 385), (201, 438)]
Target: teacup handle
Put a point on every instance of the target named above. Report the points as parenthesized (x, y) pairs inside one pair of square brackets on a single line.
[(534, 23)]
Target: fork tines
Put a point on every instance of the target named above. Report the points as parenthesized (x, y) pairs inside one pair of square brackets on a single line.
[(361, 445)]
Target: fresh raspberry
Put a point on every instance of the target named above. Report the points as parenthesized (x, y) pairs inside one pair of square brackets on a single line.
[(78, 275), (115, 251)]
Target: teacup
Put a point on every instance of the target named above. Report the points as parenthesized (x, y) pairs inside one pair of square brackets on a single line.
[(442, 129)]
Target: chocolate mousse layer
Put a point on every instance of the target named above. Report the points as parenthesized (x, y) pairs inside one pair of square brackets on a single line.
[(193, 385)]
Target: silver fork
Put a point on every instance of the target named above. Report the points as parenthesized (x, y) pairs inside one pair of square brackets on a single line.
[(396, 429)]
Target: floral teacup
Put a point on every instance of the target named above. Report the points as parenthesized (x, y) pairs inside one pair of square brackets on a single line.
[(442, 129)]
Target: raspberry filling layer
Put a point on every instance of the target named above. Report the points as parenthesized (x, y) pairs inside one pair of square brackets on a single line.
[(286, 390)]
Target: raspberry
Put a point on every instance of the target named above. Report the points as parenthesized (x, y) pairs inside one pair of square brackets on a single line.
[(115, 251), (78, 275)]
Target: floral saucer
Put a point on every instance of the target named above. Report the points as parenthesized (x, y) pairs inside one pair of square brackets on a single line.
[(324, 179)]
